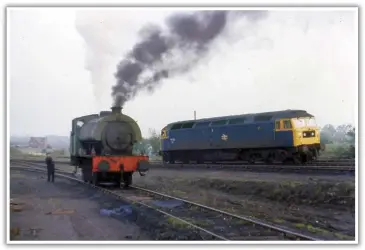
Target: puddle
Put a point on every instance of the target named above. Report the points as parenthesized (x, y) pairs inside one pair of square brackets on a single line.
[(124, 210), (168, 203)]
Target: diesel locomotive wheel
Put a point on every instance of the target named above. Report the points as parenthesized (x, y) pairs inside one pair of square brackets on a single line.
[(315, 154), (282, 156), (298, 160), (269, 160), (252, 159), (170, 158), (165, 157)]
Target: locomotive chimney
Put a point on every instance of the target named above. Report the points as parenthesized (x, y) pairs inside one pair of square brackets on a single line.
[(116, 109)]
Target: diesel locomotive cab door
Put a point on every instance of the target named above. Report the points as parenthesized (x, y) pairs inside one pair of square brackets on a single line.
[(283, 133)]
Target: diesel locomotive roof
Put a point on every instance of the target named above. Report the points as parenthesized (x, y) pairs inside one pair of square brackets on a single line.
[(275, 115)]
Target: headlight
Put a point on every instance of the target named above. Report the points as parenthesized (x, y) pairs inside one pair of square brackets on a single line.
[(304, 134)]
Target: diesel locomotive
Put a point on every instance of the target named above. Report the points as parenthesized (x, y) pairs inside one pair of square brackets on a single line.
[(101, 145), (287, 136)]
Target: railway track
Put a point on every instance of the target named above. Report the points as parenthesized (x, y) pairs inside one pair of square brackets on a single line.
[(265, 168), (346, 162), (213, 223), (328, 168)]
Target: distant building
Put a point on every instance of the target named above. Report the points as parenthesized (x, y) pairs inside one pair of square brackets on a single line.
[(38, 142)]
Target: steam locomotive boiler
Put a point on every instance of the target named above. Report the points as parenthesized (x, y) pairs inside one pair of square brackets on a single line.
[(101, 145)]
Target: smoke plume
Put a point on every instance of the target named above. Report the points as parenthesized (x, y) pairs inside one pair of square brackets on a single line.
[(99, 30), (163, 53)]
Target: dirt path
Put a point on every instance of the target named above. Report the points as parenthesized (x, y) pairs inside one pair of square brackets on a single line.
[(62, 211), (324, 205)]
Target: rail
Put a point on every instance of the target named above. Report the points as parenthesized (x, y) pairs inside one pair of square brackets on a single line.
[(325, 169)]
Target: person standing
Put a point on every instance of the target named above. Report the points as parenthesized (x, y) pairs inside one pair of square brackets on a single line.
[(50, 168)]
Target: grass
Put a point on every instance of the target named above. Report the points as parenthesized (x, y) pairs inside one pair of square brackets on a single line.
[(264, 199), (176, 223), (202, 223), (337, 150), (321, 231), (293, 192), (278, 221)]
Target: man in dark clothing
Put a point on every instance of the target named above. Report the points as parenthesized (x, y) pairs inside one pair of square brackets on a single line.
[(50, 168)]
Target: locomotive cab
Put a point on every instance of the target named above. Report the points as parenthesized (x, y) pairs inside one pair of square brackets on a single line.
[(303, 134)]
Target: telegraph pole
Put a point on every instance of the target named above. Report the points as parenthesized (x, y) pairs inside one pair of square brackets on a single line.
[(194, 115)]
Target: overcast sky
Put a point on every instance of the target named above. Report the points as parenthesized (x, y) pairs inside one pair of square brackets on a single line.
[(288, 60)]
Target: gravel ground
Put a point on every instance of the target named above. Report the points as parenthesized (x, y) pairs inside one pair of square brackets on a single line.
[(66, 210)]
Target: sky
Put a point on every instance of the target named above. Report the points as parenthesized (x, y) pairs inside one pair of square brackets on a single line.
[(62, 61)]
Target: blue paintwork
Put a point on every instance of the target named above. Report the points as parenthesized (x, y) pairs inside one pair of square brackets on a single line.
[(251, 135)]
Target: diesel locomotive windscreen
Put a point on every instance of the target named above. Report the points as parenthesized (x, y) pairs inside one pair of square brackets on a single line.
[(118, 135)]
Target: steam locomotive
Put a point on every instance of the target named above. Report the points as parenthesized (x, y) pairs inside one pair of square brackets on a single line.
[(101, 145)]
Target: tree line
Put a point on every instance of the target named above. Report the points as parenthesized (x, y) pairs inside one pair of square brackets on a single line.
[(339, 141)]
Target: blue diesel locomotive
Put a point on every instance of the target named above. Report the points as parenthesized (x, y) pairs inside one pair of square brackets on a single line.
[(280, 136)]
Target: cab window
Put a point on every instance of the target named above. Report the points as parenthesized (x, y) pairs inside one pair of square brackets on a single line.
[(277, 125), (311, 122), (299, 123), (287, 124), (163, 134)]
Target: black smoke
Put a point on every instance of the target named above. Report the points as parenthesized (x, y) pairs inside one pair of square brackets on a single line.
[(163, 53)]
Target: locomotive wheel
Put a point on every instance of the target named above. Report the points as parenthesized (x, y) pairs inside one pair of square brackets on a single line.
[(118, 180), (84, 175), (305, 158), (165, 157), (94, 180), (282, 156), (199, 161), (289, 161), (269, 160), (252, 159), (315, 154), (298, 160), (127, 179), (170, 158)]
